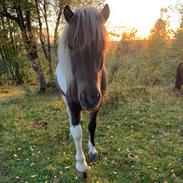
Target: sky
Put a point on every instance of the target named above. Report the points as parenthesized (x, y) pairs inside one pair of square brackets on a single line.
[(140, 14)]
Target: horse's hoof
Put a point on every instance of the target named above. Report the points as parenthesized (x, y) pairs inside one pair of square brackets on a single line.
[(81, 175), (93, 157)]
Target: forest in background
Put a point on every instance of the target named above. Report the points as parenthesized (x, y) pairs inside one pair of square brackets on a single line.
[(149, 61), (29, 31)]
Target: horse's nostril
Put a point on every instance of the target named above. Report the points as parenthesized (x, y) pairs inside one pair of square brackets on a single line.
[(95, 98), (98, 95), (89, 100)]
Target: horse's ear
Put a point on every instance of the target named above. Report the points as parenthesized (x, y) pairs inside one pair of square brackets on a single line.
[(105, 13), (68, 14)]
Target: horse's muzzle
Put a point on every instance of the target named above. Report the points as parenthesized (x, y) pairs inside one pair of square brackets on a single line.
[(90, 102)]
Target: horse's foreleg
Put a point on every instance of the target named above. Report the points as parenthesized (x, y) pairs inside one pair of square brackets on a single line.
[(81, 164), (93, 154), (76, 132)]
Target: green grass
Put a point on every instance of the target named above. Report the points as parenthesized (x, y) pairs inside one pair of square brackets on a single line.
[(139, 137)]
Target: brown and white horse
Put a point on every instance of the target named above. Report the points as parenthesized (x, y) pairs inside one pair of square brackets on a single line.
[(81, 73), (179, 76)]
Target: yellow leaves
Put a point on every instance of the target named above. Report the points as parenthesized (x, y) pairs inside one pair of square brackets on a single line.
[(33, 176), (67, 167), (32, 164)]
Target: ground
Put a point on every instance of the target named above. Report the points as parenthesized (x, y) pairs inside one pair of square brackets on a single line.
[(139, 137)]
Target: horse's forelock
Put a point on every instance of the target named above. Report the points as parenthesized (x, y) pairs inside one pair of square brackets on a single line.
[(86, 30)]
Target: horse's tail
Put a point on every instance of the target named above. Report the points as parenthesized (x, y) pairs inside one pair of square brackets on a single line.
[(178, 77)]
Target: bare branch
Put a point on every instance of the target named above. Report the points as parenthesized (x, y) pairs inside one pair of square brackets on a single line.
[(57, 24)]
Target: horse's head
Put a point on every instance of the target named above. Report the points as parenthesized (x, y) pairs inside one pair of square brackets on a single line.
[(86, 39)]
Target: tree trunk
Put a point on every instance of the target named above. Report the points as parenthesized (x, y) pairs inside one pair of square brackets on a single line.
[(38, 69), (30, 46), (24, 23), (57, 26), (46, 48), (48, 41)]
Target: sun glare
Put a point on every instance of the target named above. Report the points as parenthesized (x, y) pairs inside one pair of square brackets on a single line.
[(141, 14)]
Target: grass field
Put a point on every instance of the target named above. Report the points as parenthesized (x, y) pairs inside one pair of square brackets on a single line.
[(139, 137)]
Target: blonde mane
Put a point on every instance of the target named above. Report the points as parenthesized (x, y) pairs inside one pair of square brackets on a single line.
[(64, 74)]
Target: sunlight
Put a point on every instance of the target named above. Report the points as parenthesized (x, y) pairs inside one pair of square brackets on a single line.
[(141, 14)]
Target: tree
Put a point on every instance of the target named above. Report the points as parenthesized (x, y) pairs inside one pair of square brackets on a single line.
[(128, 41), (159, 34), (39, 19), (158, 47), (178, 38), (42, 11), (9, 51), (20, 12)]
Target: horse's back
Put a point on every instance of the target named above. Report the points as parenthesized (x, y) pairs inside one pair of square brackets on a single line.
[(179, 76)]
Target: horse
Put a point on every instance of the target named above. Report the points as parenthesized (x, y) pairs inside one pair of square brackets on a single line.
[(81, 74), (179, 76)]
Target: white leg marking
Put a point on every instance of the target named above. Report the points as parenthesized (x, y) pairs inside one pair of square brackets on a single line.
[(91, 148), (81, 164)]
